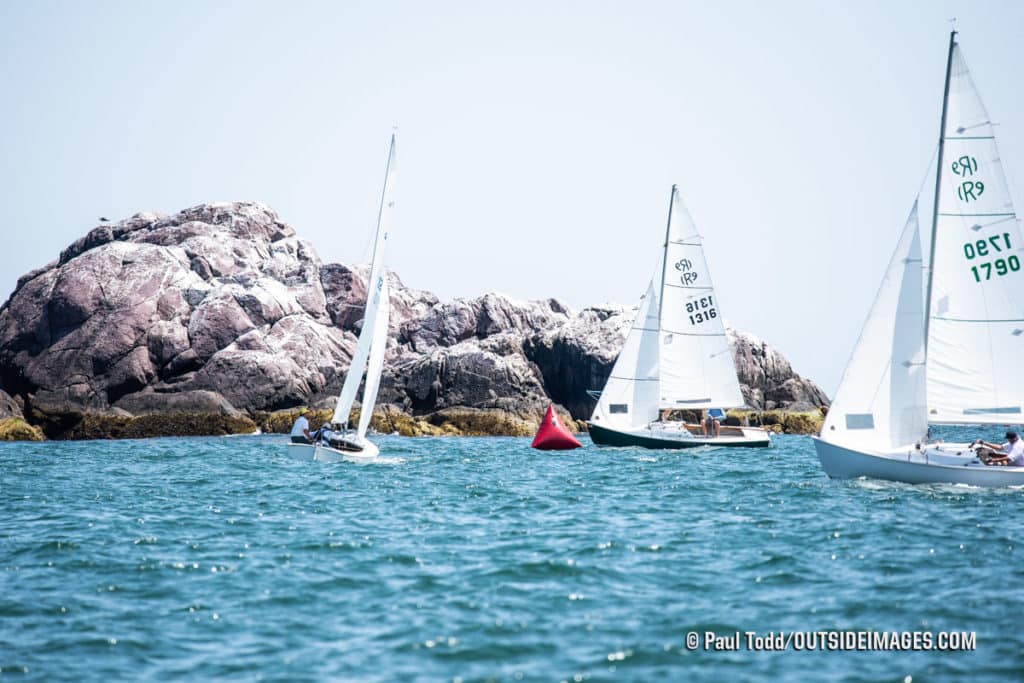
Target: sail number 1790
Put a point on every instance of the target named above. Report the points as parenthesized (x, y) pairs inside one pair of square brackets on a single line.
[(986, 247), (701, 310)]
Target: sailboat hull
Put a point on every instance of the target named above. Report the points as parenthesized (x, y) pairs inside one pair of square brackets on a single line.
[(749, 438), (909, 467), (320, 453)]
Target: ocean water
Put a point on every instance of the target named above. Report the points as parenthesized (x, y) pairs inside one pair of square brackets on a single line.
[(480, 559)]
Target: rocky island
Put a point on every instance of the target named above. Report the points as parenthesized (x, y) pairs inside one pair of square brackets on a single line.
[(220, 319)]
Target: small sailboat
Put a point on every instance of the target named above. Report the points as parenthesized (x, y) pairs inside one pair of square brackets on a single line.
[(941, 345), (676, 356), (344, 443)]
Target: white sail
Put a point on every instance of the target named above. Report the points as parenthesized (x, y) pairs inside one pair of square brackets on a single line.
[(376, 362), (630, 397), (696, 364), (366, 336), (976, 325), (880, 404)]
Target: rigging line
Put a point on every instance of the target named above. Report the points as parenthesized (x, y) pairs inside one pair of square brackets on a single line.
[(979, 320), (367, 255), (978, 215), (694, 334), (927, 170), (669, 284)]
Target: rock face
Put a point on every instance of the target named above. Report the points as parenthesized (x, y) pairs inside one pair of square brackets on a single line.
[(221, 308), (8, 406)]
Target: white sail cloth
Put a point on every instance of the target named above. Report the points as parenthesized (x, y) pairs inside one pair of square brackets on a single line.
[(976, 327), (696, 364), (676, 354), (370, 336), (880, 404), (375, 365), (630, 397)]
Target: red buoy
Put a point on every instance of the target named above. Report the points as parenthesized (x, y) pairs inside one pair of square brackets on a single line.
[(552, 435)]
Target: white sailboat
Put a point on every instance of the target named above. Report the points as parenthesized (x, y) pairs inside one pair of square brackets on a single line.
[(676, 355), (941, 345), (346, 444)]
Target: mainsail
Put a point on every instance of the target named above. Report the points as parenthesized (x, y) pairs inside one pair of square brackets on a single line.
[(696, 364), (880, 404), (377, 309), (976, 322)]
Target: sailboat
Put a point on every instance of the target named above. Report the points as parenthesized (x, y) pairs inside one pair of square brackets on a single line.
[(345, 443), (676, 355), (942, 344)]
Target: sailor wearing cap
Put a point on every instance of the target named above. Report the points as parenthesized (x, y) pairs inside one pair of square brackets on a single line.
[(1010, 453)]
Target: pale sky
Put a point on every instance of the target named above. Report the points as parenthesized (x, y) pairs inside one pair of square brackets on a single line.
[(538, 141)]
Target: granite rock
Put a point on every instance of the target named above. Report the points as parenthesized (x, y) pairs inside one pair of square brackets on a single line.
[(9, 407), (221, 309)]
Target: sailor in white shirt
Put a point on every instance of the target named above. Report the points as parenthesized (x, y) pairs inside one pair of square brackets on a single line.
[(1010, 453), (300, 430)]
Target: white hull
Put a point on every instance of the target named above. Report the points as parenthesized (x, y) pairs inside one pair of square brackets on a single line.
[(937, 464), (319, 453)]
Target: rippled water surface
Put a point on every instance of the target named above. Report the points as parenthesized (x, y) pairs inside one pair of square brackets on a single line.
[(479, 559)]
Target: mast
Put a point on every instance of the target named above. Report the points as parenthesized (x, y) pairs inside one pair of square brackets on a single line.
[(664, 258), (938, 182), (380, 211)]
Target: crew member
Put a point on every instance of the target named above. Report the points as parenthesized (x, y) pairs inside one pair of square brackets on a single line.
[(300, 430), (1010, 453)]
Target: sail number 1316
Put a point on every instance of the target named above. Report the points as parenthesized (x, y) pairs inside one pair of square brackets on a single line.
[(989, 247), (701, 310)]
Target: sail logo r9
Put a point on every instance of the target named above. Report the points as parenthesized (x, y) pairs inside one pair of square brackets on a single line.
[(685, 266), (965, 166), (970, 189)]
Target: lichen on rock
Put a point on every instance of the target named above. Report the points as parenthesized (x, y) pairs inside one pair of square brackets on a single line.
[(16, 429)]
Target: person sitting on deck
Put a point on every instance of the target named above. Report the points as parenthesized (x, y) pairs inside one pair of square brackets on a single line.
[(712, 423), (300, 430), (1010, 453), (323, 435)]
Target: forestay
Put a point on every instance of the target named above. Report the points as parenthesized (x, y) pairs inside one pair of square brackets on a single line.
[(697, 369), (976, 327), (880, 404)]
